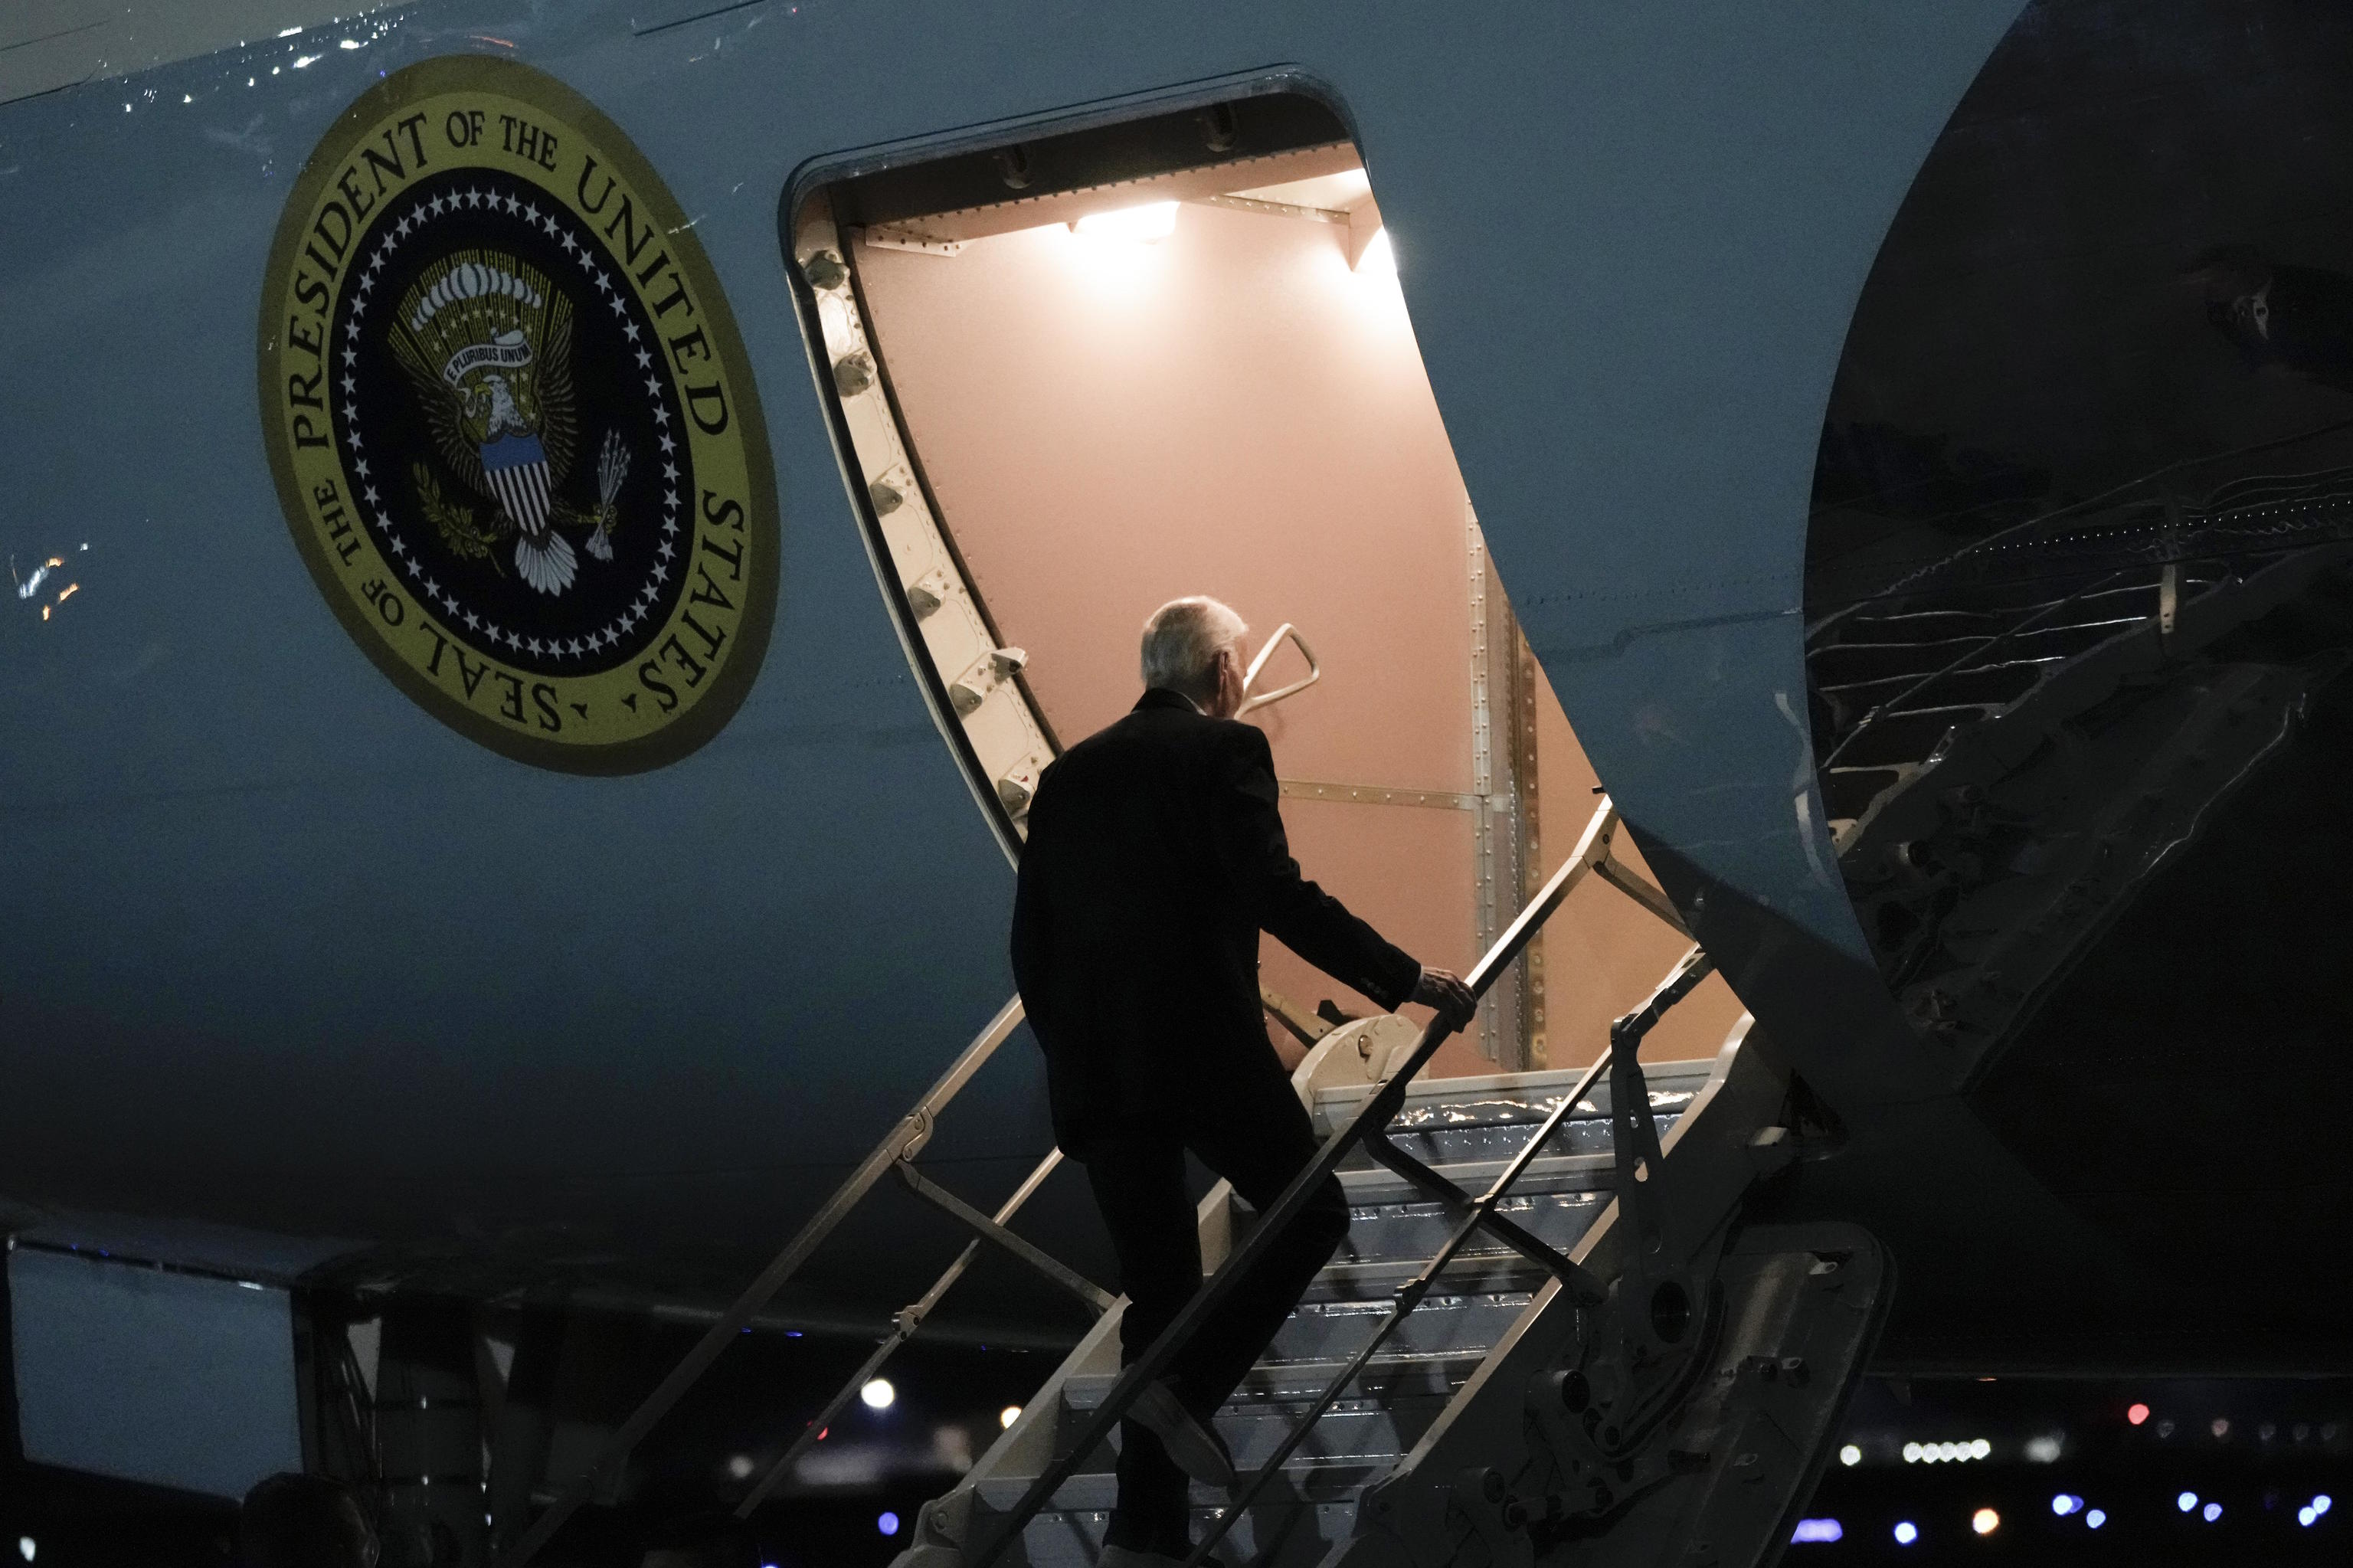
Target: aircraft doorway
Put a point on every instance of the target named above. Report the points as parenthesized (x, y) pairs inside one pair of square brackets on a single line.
[(1082, 374)]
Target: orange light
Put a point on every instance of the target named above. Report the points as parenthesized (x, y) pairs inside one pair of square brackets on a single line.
[(71, 590), (2136, 1415), (1985, 1521)]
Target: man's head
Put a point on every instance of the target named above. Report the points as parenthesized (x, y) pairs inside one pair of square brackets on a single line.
[(304, 1522), (1192, 647)]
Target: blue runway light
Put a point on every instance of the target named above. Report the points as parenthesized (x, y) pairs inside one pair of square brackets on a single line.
[(2066, 1503), (2213, 1512), (2304, 1516), (887, 1524), (2095, 1518), (1906, 1533), (2186, 1501), (2321, 1504), (1821, 1530)]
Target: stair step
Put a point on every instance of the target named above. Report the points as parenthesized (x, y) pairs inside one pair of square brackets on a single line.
[(1391, 1374), (1314, 1481), (1496, 1144), (1275, 1534)]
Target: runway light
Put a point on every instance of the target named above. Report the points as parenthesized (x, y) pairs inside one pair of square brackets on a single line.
[(2095, 1518), (887, 1524), (2065, 1503), (2304, 1516), (1906, 1532), (2045, 1450), (1980, 1449), (1378, 257), (2136, 1415), (1009, 1416), (2322, 1504), (1817, 1529), (26, 1547), (740, 1466), (2213, 1512), (1985, 1521), (1147, 224), (878, 1393), (1850, 1455), (2186, 1501), (2220, 1427)]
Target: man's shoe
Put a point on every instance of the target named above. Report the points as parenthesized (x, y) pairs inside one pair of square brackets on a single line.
[(1195, 1449), (1123, 1557)]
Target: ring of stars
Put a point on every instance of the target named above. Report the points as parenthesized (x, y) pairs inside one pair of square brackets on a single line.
[(416, 220)]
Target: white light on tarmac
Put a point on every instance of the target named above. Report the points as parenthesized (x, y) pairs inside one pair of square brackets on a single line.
[(1850, 1455), (27, 1547), (1148, 223), (1009, 1416), (878, 1393)]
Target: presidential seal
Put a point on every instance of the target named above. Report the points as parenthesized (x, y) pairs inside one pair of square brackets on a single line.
[(512, 428)]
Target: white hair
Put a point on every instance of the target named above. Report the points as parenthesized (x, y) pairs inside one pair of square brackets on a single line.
[(1182, 640)]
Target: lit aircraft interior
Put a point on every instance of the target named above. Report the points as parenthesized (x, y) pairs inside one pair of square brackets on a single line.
[(1808, 563)]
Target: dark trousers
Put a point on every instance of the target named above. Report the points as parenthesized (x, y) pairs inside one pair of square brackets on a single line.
[(1260, 1140)]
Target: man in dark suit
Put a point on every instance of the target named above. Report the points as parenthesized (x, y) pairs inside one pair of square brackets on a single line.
[(1155, 856)]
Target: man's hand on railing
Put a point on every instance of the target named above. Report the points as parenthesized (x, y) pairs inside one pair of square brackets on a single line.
[(1444, 991)]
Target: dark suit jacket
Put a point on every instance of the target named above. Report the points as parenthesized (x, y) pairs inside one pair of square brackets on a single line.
[(1155, 856)]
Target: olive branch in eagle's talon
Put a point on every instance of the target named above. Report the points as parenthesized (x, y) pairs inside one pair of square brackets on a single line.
[(454, 522)]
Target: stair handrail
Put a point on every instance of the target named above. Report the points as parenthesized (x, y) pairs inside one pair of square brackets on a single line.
[(1379, 1108), (1893, 705), (904, 1140)]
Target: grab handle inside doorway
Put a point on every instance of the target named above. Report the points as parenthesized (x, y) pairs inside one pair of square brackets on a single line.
[(1249, 677)]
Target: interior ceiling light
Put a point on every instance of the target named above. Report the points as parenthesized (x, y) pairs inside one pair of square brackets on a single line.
[(1147, 224), (1378, 258)]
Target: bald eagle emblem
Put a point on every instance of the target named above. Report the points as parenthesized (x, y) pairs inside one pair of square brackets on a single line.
[(486, 343)]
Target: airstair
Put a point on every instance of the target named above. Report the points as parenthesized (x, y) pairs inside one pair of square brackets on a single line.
[(1548, 1338), (2018, 737), (1467, 1129)]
